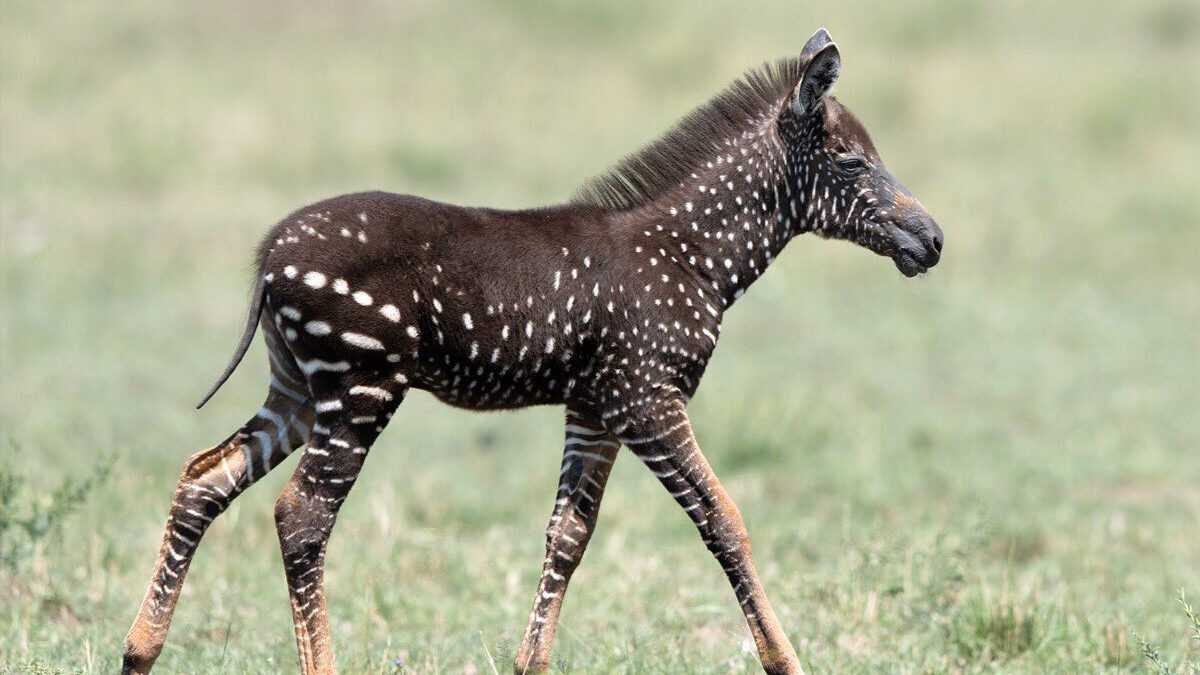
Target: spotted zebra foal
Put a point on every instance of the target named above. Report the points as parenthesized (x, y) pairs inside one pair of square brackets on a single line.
[(609, 305)]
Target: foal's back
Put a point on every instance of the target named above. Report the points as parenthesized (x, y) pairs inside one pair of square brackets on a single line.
[(485, 308)]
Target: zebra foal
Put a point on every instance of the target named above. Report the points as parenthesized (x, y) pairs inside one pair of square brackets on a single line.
[(609, 305)]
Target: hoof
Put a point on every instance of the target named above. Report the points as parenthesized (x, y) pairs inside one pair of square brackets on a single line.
[(134, 663)]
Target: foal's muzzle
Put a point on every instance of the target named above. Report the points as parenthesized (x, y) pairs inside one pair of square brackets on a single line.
[(916, 240)]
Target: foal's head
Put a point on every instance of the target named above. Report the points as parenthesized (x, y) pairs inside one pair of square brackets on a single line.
[(849, 193)]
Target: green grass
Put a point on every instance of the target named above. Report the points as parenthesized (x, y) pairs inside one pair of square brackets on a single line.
[(992, 469)]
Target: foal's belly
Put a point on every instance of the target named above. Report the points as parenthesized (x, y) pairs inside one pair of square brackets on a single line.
[(474, 386)]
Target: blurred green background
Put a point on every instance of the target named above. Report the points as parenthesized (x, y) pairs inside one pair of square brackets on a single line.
[(995, 468)]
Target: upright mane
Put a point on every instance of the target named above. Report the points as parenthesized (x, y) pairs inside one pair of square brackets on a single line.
[(665, 163)]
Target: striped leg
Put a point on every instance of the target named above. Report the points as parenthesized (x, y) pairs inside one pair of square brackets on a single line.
[(662, 437), (588, 455), (347, 424), (210, 482)]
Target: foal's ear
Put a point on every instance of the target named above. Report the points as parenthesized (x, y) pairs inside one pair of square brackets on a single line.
[(818, 40), (822, 72)]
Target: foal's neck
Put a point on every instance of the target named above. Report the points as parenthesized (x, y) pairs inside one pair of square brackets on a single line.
[(728, 219)]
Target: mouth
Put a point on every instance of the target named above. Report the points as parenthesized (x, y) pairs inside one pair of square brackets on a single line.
[(912, 254), (908, 265)]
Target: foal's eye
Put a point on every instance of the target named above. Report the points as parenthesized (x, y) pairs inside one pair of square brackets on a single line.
[(852, 165)]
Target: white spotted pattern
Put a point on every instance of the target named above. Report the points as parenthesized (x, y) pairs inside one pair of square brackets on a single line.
[(318, 328), (362, 341)]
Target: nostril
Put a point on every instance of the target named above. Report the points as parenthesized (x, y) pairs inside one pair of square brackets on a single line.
[(937, 242)]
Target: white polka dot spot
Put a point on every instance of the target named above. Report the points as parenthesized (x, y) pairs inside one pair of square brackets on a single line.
[(314, 279)]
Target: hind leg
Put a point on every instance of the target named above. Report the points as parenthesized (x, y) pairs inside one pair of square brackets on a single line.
[(211, 480), (349, 419)]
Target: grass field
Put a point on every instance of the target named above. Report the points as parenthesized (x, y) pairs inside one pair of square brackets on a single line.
[(993, 469)]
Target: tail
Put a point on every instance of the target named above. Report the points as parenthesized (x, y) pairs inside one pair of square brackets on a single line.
[(256, 305)]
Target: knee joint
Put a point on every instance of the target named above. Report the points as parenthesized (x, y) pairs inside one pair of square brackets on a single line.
[(301, 533), (201, 463), (561, 535), (287, 504)]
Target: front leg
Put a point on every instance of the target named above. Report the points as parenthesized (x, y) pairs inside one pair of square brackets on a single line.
[(588, 454), (661, 435)]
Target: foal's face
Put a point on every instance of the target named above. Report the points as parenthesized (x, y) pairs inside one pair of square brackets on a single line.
[(849, 192)]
